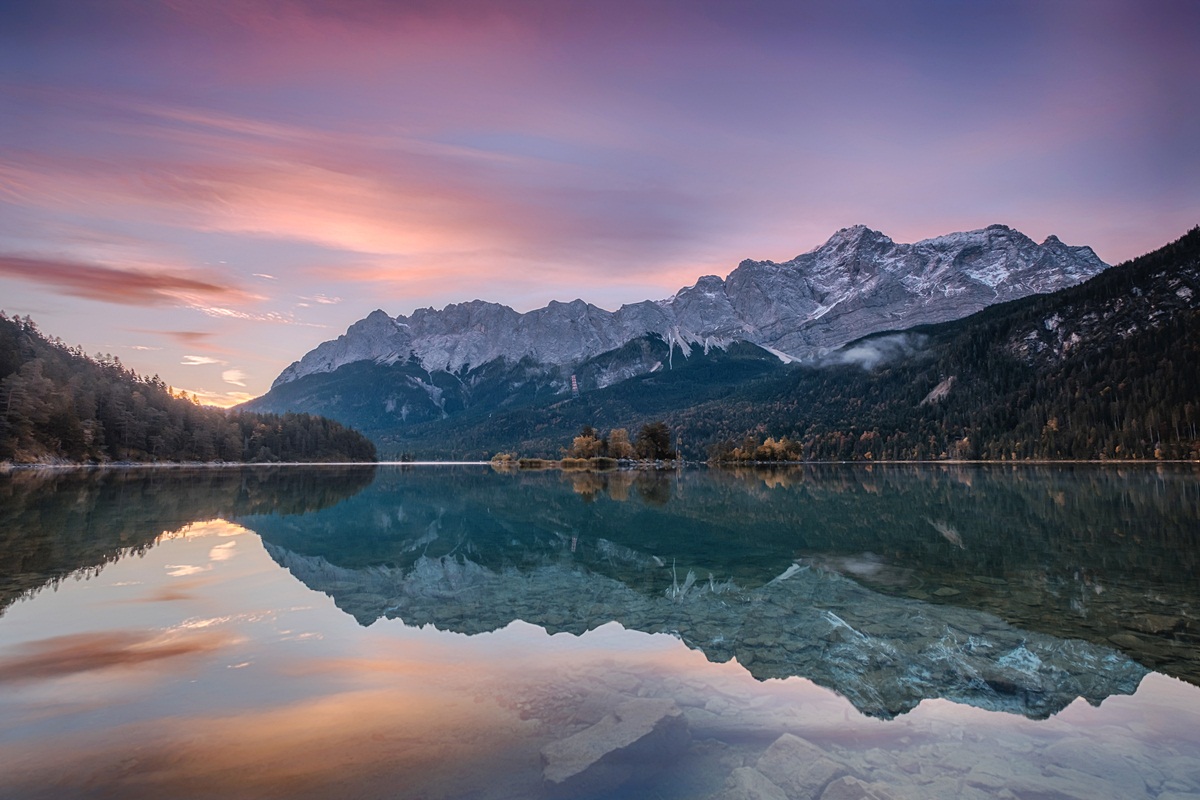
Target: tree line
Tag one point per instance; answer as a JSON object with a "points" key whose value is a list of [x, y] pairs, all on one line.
{"points": [[59, 404]]}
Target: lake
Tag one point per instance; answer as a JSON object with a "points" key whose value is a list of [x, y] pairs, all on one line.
{"points": [[830, 632]]}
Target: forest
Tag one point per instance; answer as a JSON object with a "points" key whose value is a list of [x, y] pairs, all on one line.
{"points": [[59, 405]]}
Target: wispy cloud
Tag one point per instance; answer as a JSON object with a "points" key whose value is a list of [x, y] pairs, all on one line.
{"points": [[395, 194], [202, 341], [112, 284], [197, 361], [871, 353], [222, 312], [236, 377], [189, 338]]}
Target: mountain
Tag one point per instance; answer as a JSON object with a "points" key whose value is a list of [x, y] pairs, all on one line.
{"points": [[1108, 369], [388, 374], [857, 283], [60, 405]]}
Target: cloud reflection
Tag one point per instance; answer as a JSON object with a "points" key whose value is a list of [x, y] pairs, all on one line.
{"points": [[61, 656]]}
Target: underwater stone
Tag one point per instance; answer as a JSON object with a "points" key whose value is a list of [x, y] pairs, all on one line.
{"points": [[747, 783], [848, 788], [798, 766]]}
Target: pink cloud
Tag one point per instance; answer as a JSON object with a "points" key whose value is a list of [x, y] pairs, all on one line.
{"points": [[112, 285], [379, 194], [192, 339]]}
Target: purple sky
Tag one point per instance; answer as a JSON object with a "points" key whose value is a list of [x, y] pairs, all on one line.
{"points": [[209, 188]]}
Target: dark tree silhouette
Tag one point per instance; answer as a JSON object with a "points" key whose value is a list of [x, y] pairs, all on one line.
{"points": [[654, 441]]}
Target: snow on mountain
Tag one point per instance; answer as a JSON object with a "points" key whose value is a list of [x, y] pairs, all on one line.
{"points": [[857, 283]]}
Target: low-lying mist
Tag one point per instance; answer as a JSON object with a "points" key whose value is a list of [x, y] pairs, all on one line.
{"points": [[872, 353]]}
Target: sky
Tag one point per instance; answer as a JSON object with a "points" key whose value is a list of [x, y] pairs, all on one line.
{"points": [[207, 189]]}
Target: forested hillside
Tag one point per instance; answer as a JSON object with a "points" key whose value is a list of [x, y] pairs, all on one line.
{"points": [[1109, 369], [58, 404]]}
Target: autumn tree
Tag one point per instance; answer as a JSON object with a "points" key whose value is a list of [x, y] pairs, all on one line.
{"points": [[619, 445], [586, 444]]}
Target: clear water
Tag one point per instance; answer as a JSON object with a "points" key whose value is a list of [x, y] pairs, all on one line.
{"points": [[456, 632]]}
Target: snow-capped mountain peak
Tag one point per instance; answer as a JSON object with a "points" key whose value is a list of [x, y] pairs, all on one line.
{"points": [[858, 282]]}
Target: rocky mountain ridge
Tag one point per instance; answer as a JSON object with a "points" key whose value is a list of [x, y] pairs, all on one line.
{"points": [[857, 283]]}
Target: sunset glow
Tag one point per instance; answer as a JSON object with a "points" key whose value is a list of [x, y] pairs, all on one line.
{"points": [[208, 190]]}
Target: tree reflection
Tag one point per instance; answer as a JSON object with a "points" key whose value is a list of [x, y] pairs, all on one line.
{"points": [[55, 523]]}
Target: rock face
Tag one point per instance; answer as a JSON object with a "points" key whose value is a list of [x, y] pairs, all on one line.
{"points": [[859, 282]]}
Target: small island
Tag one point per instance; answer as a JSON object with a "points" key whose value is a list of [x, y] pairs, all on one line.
{"points": [[592, 450]]}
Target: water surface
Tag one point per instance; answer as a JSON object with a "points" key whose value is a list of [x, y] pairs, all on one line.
{"points": [[458, 632]]}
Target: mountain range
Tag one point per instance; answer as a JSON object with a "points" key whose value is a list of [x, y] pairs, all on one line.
{"points": [[857, 283], [402, 379]]}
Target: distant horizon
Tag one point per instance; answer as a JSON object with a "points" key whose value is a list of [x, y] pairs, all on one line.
{"points": [[210, 189]]}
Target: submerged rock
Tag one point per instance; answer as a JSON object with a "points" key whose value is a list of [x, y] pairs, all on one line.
{"points": [[848, 788], [747, 783], [799, 767], [636, 740]]}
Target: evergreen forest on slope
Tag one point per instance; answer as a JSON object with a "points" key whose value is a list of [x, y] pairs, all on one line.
{"points": [[58, 404]]}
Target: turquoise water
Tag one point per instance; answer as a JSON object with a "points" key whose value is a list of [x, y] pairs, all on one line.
{"points": [[427, 632]]}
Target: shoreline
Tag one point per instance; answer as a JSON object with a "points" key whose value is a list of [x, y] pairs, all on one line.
{"points": [[56, 465], [549, 464]]}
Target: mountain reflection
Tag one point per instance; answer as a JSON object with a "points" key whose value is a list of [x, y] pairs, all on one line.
{"points": [[1008, 589], [55, 523]]}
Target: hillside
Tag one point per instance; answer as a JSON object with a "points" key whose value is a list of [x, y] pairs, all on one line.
{"points": [[58, 404], [1106, 369]]}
